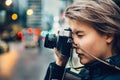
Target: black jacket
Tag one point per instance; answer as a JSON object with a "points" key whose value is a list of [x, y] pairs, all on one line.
{"points": [[93, 71]]}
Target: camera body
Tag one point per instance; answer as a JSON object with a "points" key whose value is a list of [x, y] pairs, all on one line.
{"points": [[62, 41]]}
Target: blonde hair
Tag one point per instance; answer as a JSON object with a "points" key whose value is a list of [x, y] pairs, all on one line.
{"points": [[102, 15]]}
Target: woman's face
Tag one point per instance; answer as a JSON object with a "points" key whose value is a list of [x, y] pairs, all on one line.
{"points": [[88, 42]]}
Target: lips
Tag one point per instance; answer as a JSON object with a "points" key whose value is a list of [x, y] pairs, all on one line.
{"points": [[79, 54]]}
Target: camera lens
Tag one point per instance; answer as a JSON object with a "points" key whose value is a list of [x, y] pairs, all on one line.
{"points": [[50, 41]]}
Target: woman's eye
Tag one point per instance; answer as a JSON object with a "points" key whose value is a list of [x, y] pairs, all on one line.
{"points": [[80, 36]]}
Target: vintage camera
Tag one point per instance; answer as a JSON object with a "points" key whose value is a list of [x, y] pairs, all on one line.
{"points": [[62, 41]]}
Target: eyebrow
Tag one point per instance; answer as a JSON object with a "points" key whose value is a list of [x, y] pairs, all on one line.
{"points": [[77, 32]]}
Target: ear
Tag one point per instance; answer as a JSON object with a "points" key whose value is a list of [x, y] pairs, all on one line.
{"points": [[109, 38]]}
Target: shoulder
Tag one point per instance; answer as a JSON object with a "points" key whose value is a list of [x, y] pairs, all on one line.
{"points": [[113, 77]]}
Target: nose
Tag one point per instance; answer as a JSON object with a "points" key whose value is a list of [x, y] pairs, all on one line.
{"points": [[74, 44]]}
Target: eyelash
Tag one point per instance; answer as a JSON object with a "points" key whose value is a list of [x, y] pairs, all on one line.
{"points": [[80, 36]]}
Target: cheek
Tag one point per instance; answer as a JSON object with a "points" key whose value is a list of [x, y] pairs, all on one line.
{"points": [[94, 46]]}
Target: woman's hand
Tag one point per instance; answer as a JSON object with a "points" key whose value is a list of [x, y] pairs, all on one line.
{"points": [[60, 59]]}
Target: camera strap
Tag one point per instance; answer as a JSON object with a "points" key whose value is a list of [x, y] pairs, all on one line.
{"points": [[104, 62]]}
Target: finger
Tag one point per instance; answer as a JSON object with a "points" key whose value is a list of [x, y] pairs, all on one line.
{"points": [[57, 52]]}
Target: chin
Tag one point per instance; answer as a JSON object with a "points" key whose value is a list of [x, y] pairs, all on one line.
{"points": [[84, 61]]}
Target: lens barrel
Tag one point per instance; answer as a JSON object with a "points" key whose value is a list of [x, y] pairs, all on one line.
{"points": [[50, 41]]}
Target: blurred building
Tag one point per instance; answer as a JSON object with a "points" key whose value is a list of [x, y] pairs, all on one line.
{"points": [[18, 14], [34, 13], [12, 14]]}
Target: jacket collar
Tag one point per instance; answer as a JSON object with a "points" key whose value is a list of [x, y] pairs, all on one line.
{"points": [[114, 60]]}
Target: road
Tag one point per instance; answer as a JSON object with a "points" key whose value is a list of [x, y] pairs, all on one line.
{"points": [[32, 62]]}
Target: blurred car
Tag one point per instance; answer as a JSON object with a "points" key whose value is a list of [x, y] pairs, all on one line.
{"points": [[29, 40], [30, 37], [4, 47]]}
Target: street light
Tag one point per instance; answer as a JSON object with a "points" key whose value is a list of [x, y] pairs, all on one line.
{"points": [[29, 12], [8, 2], [14, 16]]}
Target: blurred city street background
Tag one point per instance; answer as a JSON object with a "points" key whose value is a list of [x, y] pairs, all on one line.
{"points": [[23, 27], [30, 64]]}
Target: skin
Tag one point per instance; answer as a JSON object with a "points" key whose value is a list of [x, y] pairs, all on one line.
{"points": [[87, 41]]}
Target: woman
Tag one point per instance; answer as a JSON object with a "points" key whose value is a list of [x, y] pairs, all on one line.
{"points": [[95, 26]]}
